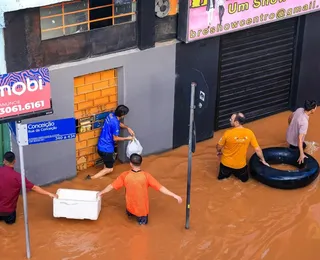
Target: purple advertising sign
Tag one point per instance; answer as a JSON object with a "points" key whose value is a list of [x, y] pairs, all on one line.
{"points": [[209, 18]]}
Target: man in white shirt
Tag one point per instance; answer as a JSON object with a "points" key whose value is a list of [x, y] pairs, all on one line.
{"points": [[298, 127]]}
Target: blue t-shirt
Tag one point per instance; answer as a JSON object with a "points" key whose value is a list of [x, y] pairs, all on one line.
{"points": [[110, 128]]}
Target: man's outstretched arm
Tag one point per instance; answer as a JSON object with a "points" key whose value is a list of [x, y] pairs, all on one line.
{"points": [[105, 190], [39, 190], [153, 183], [259, 152], [167, 192], [123, 126], [117, 184]]}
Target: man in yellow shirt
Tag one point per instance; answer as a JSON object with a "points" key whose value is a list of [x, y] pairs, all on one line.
{"points": [[233, 147]]}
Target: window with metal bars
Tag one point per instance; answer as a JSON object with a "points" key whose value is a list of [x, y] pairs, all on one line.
{"points": [[83, 15]]}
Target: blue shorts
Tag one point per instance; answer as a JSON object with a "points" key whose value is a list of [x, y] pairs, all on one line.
{"points": [[141, 220]]}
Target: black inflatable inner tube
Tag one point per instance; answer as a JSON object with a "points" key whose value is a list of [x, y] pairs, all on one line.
{"points": [[303, 176]]}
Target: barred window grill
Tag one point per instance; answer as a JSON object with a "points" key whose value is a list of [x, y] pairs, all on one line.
{"points": [[83, 15]]}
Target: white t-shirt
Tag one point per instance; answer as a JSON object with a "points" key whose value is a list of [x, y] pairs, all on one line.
{"points": [[299, 125]]}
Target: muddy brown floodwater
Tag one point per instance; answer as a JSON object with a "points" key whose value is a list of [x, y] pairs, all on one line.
{"points": [[230, 220]]}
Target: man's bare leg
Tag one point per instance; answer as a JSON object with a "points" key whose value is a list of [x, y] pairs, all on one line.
{"points": [[101, 173]]}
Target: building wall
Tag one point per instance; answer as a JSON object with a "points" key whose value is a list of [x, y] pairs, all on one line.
{"points": [[192, 66], [32, 52], [309, 73], [146, 82]]}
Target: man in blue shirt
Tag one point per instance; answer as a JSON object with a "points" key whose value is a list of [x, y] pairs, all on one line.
{"points": [[108, 137]]}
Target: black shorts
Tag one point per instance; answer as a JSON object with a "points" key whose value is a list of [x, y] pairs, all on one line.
{"points": [[9, 219], [141, 220], [108, 159], [225, 172], [297, 147]]}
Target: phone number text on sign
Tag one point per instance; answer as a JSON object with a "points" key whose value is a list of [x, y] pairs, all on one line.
{"points": [[24, 93], [28, 107]]}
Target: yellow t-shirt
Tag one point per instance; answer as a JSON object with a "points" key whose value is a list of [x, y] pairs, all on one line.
{"points": [[235, 144]]}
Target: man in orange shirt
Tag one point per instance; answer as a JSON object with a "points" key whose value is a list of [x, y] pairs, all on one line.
{"points": [[233, 147], [136, 183]]}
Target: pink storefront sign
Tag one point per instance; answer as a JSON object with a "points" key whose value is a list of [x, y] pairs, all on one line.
{"points": [[209, 18], [25, 94]]}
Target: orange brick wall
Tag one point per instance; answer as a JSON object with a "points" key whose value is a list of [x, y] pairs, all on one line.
{"points": [[93, 94]]}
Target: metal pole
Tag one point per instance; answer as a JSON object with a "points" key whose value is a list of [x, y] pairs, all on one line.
{"points": [[193, 86], [24, 197]]}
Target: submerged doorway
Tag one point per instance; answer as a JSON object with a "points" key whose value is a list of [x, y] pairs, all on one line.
{"points": [[95, 95]]}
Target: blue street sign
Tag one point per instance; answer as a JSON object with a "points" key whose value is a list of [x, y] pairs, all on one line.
{"points": [[51, 131]]}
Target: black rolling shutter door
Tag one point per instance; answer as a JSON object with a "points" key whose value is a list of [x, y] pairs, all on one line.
{"points": [[255, 71]]}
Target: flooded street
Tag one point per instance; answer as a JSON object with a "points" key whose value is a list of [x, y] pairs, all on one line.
{"points": [[230, 220]]}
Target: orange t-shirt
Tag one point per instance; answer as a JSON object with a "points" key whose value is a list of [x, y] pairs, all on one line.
{"points": [[235, 144], [136, 184]]}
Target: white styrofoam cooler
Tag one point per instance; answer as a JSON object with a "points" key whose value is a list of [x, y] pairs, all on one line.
{"points": [[77, 204]]}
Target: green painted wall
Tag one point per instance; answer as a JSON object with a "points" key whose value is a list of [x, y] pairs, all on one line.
{"points": [[4, 140]]}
